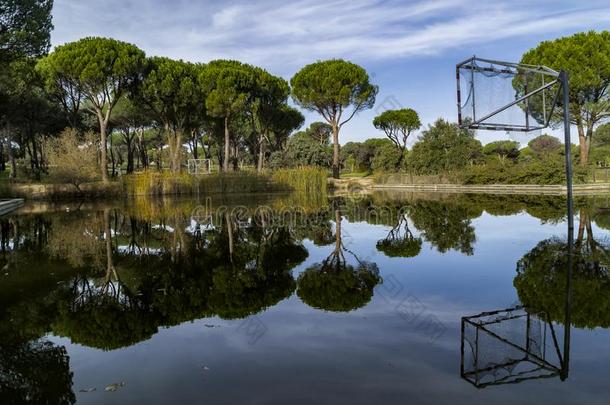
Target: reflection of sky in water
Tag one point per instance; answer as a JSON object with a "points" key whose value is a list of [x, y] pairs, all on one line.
{"points": [[294, 353]]}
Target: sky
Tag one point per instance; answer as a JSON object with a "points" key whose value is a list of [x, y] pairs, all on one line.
{"points": [[409, 48]]}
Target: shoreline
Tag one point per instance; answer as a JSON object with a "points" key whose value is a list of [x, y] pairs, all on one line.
{"points": [[367, 185]]}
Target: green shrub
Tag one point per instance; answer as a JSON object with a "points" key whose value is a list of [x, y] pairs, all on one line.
{"points": [[535, 171]]}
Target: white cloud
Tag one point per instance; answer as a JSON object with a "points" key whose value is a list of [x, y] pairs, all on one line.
{"points": [[284, 35]]}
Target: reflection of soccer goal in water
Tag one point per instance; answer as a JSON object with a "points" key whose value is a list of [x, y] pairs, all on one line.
{"points": [[509, 346], [199, 166]]}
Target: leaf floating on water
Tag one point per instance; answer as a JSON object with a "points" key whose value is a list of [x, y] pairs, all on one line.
{"points": [[88, 389], [114, 387]]}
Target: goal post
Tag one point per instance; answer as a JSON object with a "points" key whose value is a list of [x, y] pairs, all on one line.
{"points": [[199, 166]]}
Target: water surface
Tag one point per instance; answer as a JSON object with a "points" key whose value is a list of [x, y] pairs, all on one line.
{"points": [[281, 299]]}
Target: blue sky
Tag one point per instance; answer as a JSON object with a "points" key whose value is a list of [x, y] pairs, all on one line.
{"points": [[409, 48]]}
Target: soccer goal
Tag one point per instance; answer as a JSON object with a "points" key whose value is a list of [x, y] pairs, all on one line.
{"points": [[199, 166], [515, 98]]}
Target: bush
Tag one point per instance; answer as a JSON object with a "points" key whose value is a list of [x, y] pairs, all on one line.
{"points": [[70, 159], [535, 171]]}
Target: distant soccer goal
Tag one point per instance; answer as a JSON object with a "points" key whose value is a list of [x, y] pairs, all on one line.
{"points": [[199, 166]]}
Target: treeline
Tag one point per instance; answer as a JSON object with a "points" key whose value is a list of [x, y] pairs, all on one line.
{"points": [[152, 111]]}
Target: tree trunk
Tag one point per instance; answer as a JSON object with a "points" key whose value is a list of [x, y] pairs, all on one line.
{"points": [[225, 163], [129, 142], [2, 161], [11, 158], [142, 149], [176, 155], [194, 144], [110, 270], [400, 158], [582, 141], [112, 160], [230, 235], [335, 151], [261, 153], [104, 153]]}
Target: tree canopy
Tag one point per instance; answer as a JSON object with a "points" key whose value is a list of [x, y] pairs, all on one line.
{"points": [[335, 89], [398, 126], [443, 147], [25, 28], [100, 70], [585, 56]]}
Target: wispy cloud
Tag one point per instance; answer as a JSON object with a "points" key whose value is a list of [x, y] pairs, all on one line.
{"points": [[283, 35]]}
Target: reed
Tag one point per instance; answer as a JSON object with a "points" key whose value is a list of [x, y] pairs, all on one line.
{"points": [[151, 183], [307, 180]]}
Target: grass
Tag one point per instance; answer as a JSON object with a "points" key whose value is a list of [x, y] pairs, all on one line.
{"points": [[305, 180], [355, 174]]}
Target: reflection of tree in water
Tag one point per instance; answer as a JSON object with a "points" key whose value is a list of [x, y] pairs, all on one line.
{"points": [[542, 273], [35, 372], [334, 285], [32, 369], [446, 226], [318, 228], [103, 314], [105, 317], [251, 270], [400, 241]]}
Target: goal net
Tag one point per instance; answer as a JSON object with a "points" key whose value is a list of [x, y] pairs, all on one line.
{"points": [[199, 166], [504, 96], [508, 346]]}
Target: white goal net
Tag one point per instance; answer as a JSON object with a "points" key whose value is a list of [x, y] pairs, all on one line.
{"points": [[199, 166]]}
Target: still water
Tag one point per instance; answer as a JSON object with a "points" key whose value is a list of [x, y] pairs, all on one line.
{"points": [[389, 298]]}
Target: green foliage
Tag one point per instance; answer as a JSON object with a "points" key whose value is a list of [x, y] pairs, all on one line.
{"points": [[303, 180], [320, 132], [545, 144], [542, 276], [301, 150], [25, 29], [340, 289], [403, 247], [104, 323], [165, 183], [362, 154], [310, 180], [387, 158], [102, 68], [537, 171], [503, 150], [585, 56], [398, 126], [446, 226], [444, 147], [35, 372], [170, 88], [331, 88]]}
